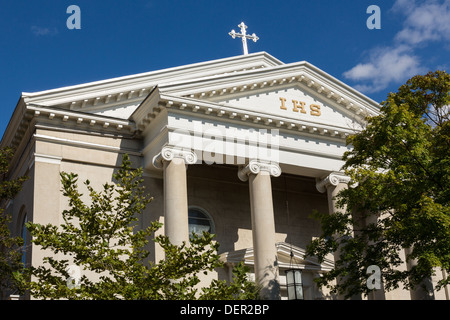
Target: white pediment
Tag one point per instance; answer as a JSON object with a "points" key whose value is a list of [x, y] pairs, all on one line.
{"points": [[298, 92], [297, 103], [299, 114]]}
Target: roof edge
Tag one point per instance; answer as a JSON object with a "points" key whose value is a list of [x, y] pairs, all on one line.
{"points": [[188, 70]]}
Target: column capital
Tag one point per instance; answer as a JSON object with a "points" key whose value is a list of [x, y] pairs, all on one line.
{"points": [[333, 179], [256, 166], [168, 153]]}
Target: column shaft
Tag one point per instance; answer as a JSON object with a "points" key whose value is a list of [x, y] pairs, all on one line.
{"points": [[332, 192], [424, 290], [263, 226], [176, 225], [173, 161]]}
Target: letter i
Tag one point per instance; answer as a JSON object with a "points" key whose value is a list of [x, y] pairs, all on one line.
{"points": [[283, 103]]}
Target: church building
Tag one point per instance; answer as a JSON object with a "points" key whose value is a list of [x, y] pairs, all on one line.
{"points": [[245, 147]]}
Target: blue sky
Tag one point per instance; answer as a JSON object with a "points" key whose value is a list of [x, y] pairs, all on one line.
{"points": [[118, 38]]}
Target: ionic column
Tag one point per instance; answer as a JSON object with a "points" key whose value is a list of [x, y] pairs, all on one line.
{"points": [[173, 161], [263, 225], [423, 290], [332, 184]]}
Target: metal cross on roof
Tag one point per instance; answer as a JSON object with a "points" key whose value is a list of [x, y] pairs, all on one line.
{"points": [[244, 36]]}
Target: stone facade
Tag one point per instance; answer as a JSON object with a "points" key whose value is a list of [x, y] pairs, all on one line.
{"points": [[253, 143]]}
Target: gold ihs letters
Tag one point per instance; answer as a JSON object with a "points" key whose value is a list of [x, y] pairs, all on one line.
{"points": [[299, 106]]}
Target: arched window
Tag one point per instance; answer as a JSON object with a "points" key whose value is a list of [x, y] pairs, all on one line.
{"points": [[24, 237], [200, 221]]}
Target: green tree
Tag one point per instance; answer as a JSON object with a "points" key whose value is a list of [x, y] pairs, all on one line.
{"points": [[102, 238], [10, 247], [399, 193]]}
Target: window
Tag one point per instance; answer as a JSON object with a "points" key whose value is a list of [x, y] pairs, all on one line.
{"points": [[199, 221], [24, 237]]}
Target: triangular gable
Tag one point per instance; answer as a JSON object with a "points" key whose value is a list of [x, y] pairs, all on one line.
{"points": [[284, 258], [205, 115], [298, 103], [297, 91]]}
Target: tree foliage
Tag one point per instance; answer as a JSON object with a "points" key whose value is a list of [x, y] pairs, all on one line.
{"points": [[399, 196], [10, 247], [103, 240]]}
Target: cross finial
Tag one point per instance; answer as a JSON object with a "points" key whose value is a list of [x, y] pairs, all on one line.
{"points": [[244, 36]]}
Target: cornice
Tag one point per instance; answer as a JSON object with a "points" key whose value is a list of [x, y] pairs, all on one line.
{"points": [[146, 113], [32, 114], [81, 118]]}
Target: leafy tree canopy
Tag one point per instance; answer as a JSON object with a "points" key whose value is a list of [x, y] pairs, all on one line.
{"points": [[10, 247], [399, 193], [102, 238]]}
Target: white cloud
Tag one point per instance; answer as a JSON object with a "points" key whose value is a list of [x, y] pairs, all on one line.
{"points": [[385, 66], [429, 21], [425, 22], [43, 31]]}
